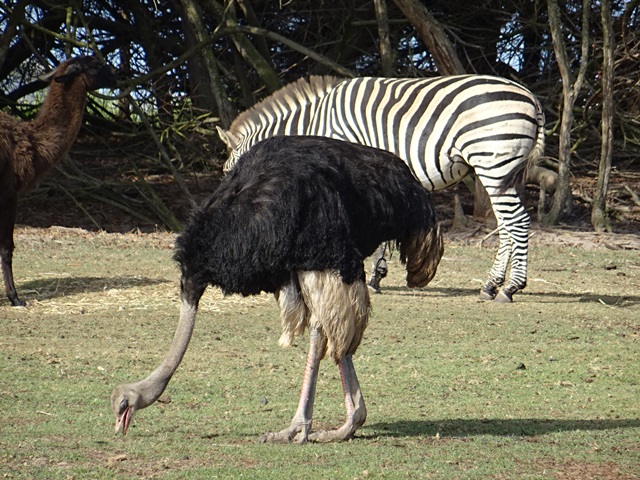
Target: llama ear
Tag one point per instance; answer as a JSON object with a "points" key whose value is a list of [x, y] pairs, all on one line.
{"points": [[68, 74], [228, 138], [73, 69], [47, 77]]}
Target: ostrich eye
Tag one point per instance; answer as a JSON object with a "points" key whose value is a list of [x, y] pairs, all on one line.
{"points": [[123, 405]]}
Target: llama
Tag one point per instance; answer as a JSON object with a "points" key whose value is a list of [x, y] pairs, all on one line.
{"points": [[298, 218], [28, 150]]}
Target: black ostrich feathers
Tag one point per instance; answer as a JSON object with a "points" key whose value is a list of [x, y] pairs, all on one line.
{"points": [[307, 204]]}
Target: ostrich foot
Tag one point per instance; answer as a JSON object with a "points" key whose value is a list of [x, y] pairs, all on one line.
{"points": [[300, 436], [345, 432], [294, 434]]}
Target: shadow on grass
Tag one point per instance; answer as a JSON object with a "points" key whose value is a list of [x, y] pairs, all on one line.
{"points": [[64, 286], [497, 427], [622, 301]]}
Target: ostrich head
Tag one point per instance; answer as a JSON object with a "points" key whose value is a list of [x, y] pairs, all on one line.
{"points": [[125, 400]]}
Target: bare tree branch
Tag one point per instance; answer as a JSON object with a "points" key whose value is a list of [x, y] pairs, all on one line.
{"points": [[386, 54], [433, 36]]}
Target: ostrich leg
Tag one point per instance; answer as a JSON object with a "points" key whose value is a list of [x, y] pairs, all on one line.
{"points": [[300, 426], [354, 404]]}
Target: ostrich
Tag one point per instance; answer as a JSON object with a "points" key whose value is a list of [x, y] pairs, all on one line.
{"points": [[297, 218], [28, 150]]}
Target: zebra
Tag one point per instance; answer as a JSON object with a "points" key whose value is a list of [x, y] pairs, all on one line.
{"points": [[442, 127]]}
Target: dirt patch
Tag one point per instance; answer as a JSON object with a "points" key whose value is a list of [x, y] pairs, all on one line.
{"points": [[587, 471]]}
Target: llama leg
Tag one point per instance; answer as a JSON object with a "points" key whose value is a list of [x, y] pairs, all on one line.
{"points": [[354, 404], [6, 250], [300, 426], [378, 268]]}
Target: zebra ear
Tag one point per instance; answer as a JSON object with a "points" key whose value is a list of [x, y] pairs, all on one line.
{"points": [[228, 138]]}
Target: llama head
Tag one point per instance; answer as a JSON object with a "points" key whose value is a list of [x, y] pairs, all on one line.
{"points": [[94, 72]]}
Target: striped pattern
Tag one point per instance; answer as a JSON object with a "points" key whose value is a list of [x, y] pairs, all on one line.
{"points": [[441, 127], [288, 111]]}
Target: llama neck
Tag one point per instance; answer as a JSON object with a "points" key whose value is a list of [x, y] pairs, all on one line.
{"points": [[58, 122], [150, 389]]}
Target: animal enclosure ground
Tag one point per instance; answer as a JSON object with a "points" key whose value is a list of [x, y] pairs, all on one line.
{"points": [[546, 387]]}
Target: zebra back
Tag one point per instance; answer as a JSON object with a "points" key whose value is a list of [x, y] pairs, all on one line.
{"points": [[439, 126]]}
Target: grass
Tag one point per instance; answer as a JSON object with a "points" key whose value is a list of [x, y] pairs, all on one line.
{"points": [[439, 371]]}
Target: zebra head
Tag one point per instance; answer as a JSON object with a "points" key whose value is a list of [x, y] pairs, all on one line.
{"points": [[287, 111], [231, 141]]}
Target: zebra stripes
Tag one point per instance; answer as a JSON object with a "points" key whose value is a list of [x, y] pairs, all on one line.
{"points": [[441, 127], [288, 111]]}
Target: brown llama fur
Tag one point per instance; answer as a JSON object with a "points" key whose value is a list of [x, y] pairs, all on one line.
{"points": [[28, 150]]}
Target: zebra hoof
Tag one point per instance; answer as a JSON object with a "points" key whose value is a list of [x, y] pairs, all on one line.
{"points": [[487, 295], [374, 284], [503, 296]]}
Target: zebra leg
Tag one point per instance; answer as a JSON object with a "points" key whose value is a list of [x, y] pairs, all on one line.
{"points": [[499, 270], [517, 224], [379, 268], [513, 222]]}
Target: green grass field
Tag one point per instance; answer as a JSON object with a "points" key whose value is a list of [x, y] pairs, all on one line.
{"points": [[440, 372]]}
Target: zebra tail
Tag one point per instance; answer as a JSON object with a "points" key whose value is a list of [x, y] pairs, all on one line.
{"points": [[518, 177], [422, 253]]}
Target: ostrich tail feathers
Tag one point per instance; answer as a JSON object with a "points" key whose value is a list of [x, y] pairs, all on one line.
{"points": [[422, 253], [293, 312]]}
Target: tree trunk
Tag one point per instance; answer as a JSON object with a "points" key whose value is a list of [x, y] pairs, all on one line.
{"points": [[199, 88], [386, 53], [433, 36], [249, 14], [156, 59], [16, 17], [124, 103], [570, 89], [599, 218], [448, 63], [193, 15], [248, 51], [532, 39]]}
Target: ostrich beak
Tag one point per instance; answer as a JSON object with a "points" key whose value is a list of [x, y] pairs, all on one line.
{"points": [[122, 422]]}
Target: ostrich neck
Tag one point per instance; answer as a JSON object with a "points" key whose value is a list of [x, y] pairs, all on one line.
{"points": [[151, 388]]}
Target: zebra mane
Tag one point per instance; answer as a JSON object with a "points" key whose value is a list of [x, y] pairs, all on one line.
{"points": [[300, 92]]}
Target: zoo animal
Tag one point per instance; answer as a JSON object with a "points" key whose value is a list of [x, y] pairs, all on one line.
{"points": [[298, 218], [28, 150], [441, 127]]}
